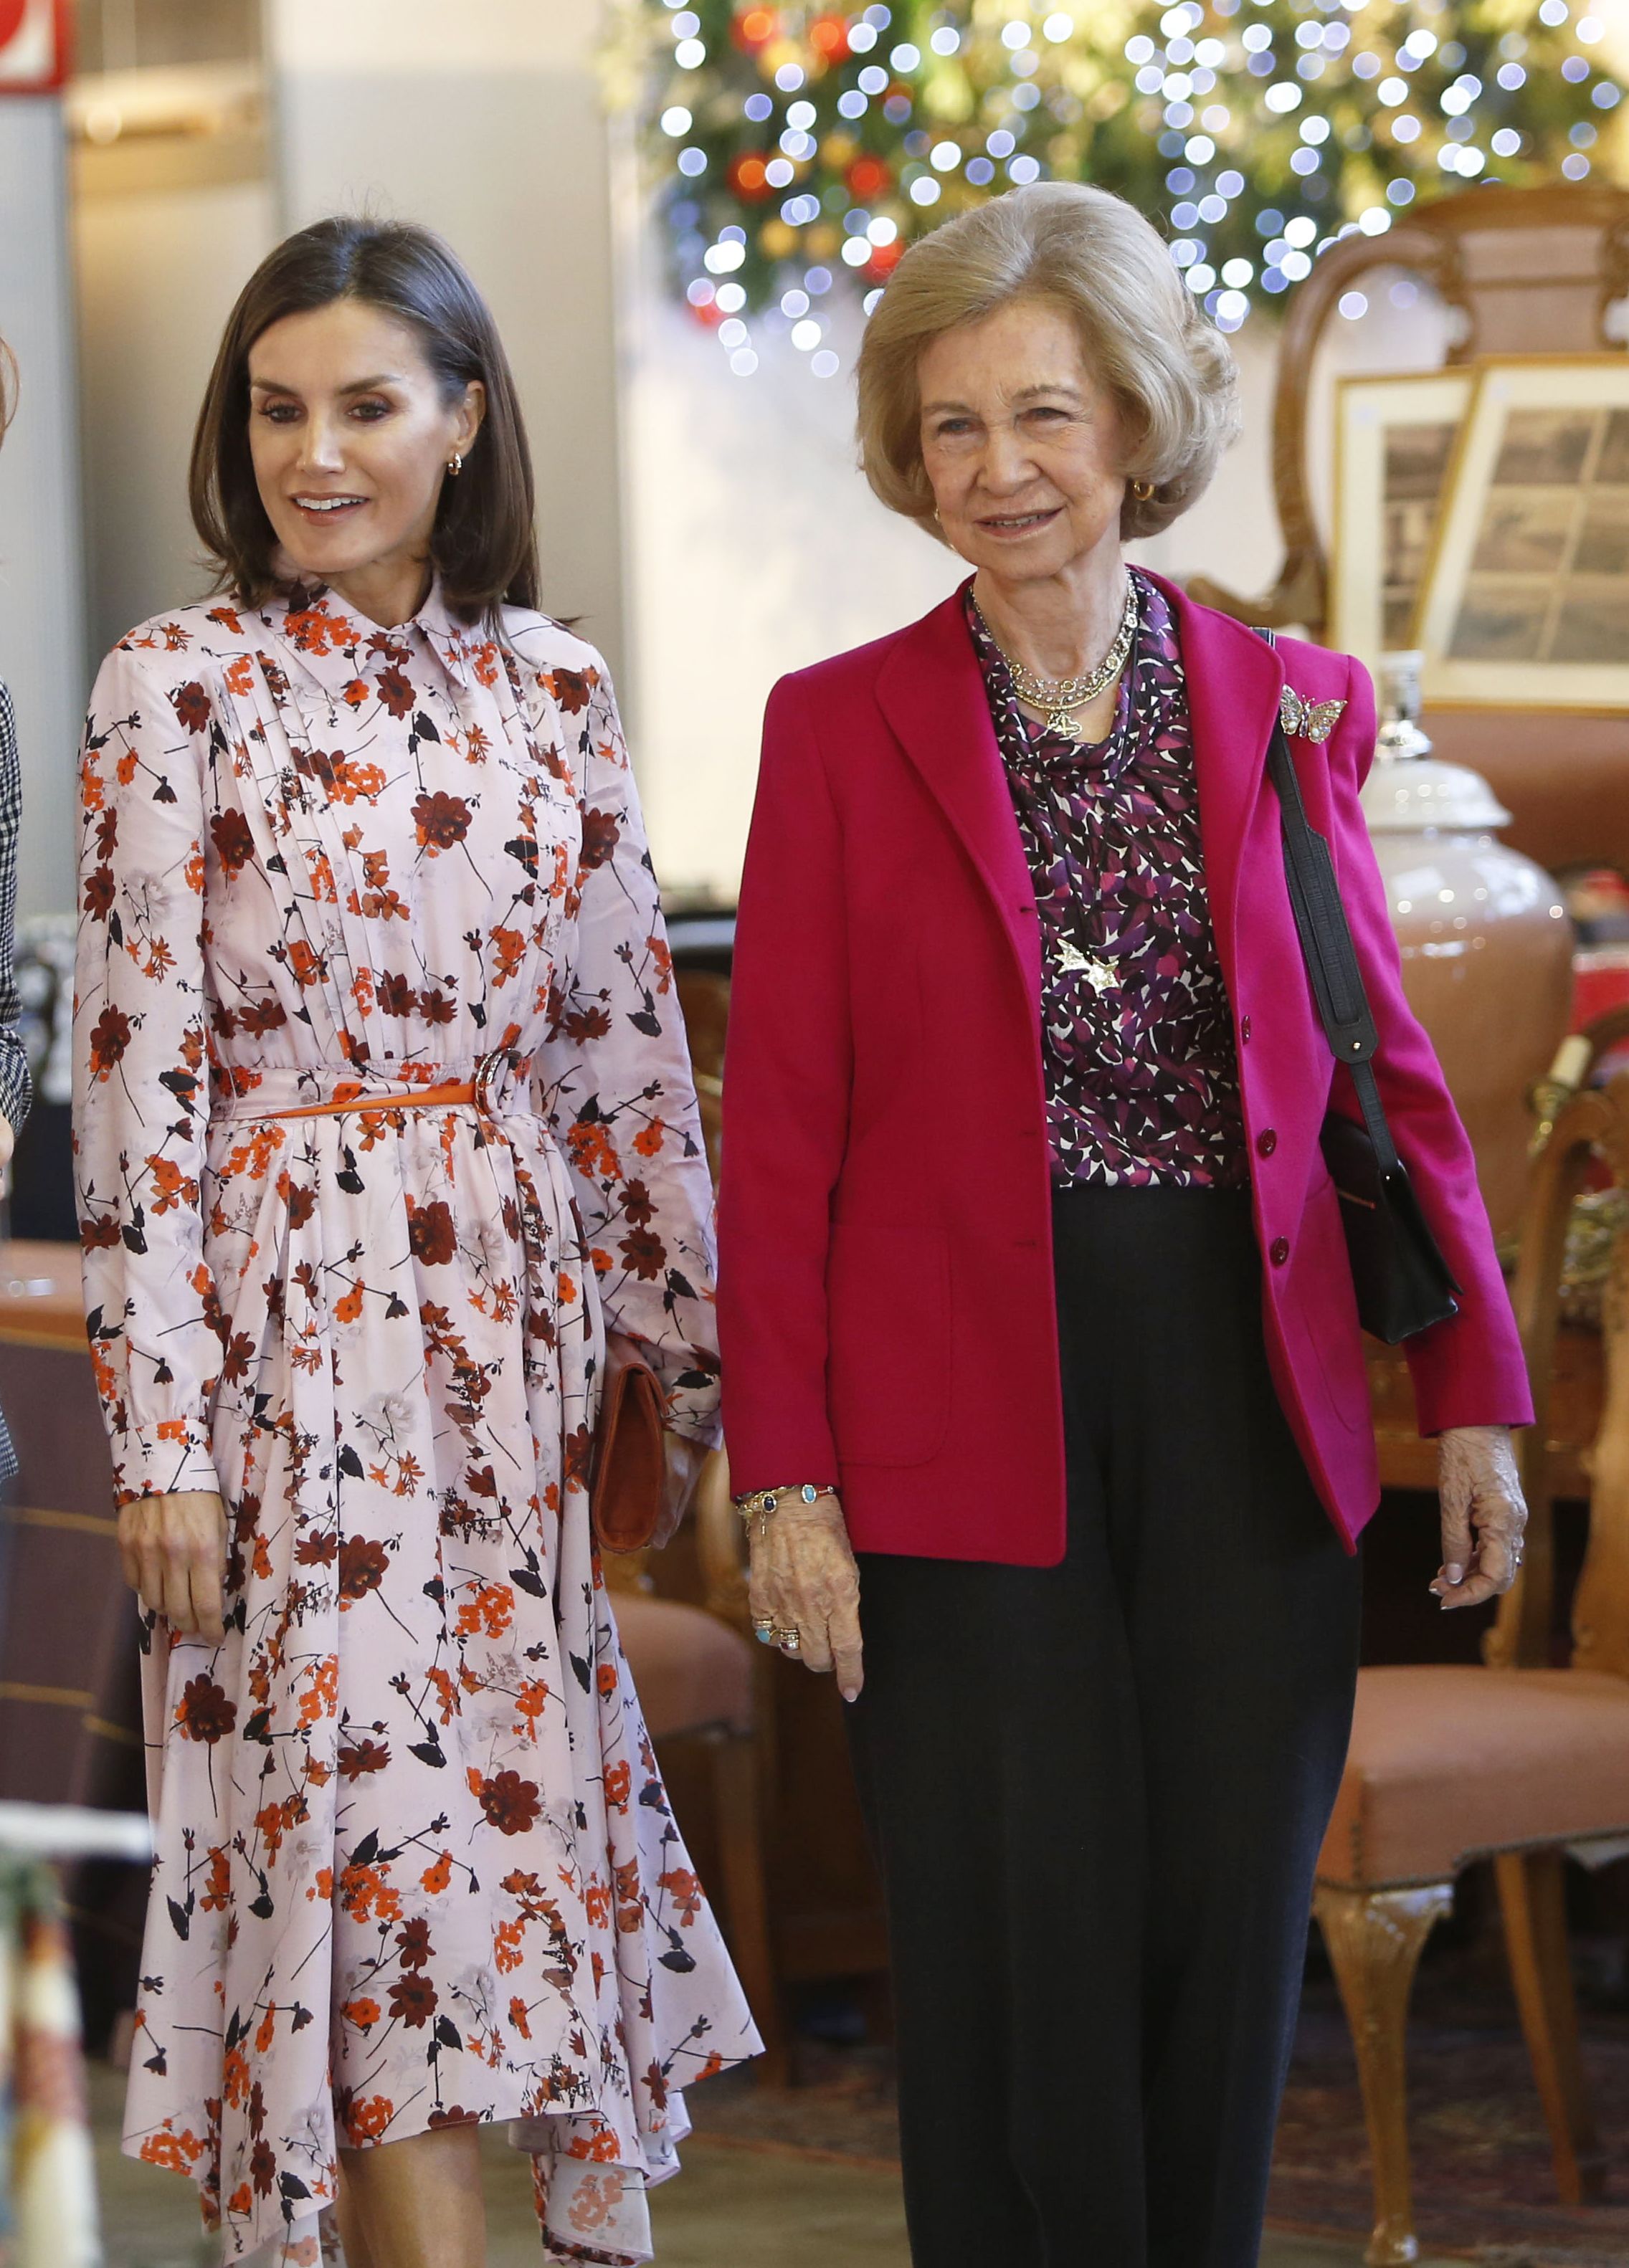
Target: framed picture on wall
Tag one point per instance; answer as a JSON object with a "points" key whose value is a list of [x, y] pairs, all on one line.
{"points": [[1394, 442], [1526, 599]]}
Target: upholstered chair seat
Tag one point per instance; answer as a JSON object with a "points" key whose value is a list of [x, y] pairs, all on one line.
{"points": [[694, 1673], [1448, 1765], [1518, 1761]]}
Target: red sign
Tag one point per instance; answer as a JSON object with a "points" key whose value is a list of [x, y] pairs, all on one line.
{"points": [[33, 46]]}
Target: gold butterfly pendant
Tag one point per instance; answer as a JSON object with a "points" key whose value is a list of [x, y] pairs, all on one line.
{"points": [[1314, 720]]}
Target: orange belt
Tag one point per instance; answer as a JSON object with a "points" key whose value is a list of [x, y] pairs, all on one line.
{"points": [[446, 1097]]}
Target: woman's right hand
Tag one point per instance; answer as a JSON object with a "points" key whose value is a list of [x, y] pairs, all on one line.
{"points": [[174, 1553], [804, 1578]]}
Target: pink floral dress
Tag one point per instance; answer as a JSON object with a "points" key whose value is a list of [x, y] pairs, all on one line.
{"points": [[416, 1863]]}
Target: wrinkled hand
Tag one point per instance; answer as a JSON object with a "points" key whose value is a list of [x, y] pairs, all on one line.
{"points": [[804, 1578], [174, 1553], [1484, 1514]]}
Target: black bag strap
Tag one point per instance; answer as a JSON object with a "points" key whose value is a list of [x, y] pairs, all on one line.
{"points": [[1326, 942]]}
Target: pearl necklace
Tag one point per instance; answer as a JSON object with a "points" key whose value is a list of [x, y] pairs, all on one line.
{"points": [[1058, 698]]}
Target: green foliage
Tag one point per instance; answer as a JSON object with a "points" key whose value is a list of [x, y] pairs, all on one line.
{"points": [[1229, 123]]}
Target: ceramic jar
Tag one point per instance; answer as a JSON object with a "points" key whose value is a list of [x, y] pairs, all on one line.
{"points": [[1486, 942]]}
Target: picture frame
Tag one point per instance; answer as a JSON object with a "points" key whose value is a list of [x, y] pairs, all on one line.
{"points": [[1395, 439], [1525, 602]]}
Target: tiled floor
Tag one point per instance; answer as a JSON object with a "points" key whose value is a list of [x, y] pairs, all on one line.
{"points": [[729, 2207]]}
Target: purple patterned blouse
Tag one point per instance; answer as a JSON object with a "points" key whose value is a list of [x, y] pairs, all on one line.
{"points": [[1137, 1037]]}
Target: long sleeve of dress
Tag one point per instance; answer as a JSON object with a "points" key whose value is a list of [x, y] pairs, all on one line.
{"points": [[16, 1086], [140, 1084], [614, 1080]]}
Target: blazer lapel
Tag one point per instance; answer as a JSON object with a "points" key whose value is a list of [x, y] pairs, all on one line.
{"points": [[931, 692], [1234, 680]]}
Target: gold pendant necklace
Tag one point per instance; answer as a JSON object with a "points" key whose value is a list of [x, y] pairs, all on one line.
{"points": [[1101, 975], [1058, 698]]}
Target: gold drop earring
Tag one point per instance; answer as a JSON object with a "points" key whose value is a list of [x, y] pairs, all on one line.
{"points": [[455, 463]]}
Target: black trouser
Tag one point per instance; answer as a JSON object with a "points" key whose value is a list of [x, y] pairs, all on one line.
{"points": [[1097, 1790]]}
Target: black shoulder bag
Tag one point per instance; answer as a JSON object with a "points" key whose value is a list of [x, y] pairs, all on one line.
{"points": [[1404, 1284]]}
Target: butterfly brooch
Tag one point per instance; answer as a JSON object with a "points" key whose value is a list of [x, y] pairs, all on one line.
{"points": [[1314, 720]]}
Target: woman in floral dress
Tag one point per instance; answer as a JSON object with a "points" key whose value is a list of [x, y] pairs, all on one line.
{"points": [[383, 1115]]}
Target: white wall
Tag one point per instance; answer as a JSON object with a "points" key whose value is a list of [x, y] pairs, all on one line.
{"points": [[485, 121], [41, 622], [158, 273]]}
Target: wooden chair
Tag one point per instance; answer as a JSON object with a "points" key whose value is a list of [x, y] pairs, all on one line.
{"points": [[826, 1917], [704, 1002], [699, 1683], [812, 1867], [1515, 1761]]}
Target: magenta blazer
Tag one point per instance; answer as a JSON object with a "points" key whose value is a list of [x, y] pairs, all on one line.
{"points": [[886, 1299]]}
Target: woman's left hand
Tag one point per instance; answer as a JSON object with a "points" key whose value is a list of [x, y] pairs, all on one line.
{"points": [[1484, 1514]]}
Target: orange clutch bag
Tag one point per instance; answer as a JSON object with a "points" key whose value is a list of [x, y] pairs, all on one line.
{"points": [[629, 1480]]}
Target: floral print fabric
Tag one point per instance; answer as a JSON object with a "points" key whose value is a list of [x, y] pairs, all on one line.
{"points": [[1141, 1080], [416, 1863]]}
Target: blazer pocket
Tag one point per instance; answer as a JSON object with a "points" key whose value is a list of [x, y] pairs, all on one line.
{"points": [[888, 1317]]}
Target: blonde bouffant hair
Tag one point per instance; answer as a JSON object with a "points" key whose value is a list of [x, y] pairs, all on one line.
{"points": [[1144, 335]]}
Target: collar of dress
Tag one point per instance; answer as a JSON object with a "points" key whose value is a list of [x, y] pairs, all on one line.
{"points": [[333, 643]]}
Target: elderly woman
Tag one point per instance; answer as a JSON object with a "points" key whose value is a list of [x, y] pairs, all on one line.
{"points": [[1043, 1373]]}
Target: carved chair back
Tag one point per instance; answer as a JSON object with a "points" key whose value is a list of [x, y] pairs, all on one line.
{"points": [[1530, 271], [1596, 1123]]}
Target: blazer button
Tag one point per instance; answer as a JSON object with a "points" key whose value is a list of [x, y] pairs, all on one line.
{"points": [[1244, 1028], [1267, 1141], [1279, 1251]]}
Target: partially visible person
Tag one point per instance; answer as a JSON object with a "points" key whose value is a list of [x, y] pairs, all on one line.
{"points": [[16, 1086]]}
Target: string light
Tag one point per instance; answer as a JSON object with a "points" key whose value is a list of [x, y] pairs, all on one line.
{"points": [[796, 146]]}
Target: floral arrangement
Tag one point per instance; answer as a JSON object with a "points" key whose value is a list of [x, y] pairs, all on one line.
{"points": [[793, 147]]}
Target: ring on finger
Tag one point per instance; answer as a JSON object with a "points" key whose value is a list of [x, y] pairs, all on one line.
{"points": [[789, 1641], [765, 1634]]}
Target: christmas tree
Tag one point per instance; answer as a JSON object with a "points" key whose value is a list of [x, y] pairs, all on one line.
{"points": [[794, 149]]}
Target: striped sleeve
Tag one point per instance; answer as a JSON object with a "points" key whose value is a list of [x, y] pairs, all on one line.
{"points": [[16, 1086]]}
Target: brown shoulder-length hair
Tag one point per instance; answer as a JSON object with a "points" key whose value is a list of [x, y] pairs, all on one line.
{"points": [[485, 543]]}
